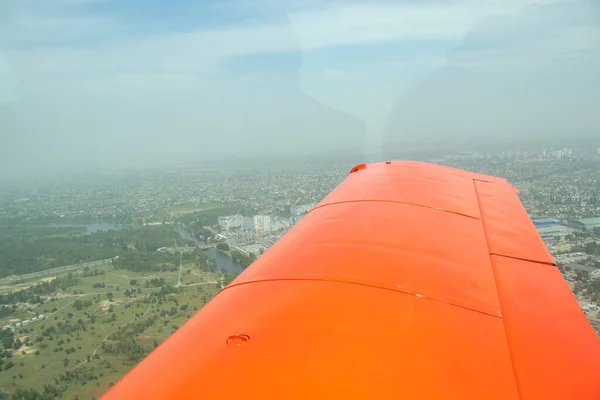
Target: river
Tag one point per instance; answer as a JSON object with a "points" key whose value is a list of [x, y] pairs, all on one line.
{"points": [[222, 260]]}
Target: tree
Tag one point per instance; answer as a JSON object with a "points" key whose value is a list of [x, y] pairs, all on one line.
{"points": [[6, 338], [228, 278], [590, 248], [109, 295], [81, 304], [133, 282], [222, 246], [66, 362]]}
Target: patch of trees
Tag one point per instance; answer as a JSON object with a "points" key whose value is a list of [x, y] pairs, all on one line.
{"points": [[196, 221], [168, 289], [80, 304], [50, 392], [87, 271], [8, 365], [141, 261], [32, 294], [37, 251], [155, 282], [30, 248], [592, 248], [592, 286], [228, 278], [69, 327], [164, 294], [6, 339], [222, 246], [129, 347], [81, 376], [7, 310], [243, 259]]}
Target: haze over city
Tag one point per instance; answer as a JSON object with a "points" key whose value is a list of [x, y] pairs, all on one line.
{"points": [[97, 83], [266, 186]]}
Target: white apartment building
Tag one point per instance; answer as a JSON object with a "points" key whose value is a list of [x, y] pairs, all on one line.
{"points": [[231, 221]]}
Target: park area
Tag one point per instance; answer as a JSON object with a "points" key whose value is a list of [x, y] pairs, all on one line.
{"points": [[79, 332]]}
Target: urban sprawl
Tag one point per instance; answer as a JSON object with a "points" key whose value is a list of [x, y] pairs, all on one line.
{"points": [[97, 270]]}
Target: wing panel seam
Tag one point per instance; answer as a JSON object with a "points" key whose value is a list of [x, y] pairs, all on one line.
{"points": [[375, 286], [397, 202], [551, 264], [500, 301]]}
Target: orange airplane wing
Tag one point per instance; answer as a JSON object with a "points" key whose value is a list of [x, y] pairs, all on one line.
{"points": [[409, 281]]}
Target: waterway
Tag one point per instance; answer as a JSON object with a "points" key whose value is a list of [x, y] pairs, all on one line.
{"points": [[222, 260]]}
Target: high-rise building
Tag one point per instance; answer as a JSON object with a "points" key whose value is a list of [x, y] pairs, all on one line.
{"points": [[262, 223], [231, 221], [248, 223]]}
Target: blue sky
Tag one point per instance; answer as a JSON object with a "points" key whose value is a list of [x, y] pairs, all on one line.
{"points": [[131, 80]]}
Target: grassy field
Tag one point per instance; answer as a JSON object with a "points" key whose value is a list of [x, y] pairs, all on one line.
{"points": [[68, 337], [187, 209]]}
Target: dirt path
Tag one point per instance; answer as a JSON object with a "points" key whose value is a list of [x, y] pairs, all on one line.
{"points": [[200, 283], [107, 336]]}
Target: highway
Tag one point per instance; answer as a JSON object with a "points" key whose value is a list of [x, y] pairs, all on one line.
{"points": [[17, 278]]}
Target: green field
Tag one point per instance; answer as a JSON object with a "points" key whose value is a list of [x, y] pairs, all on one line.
{"points": [[83, 350], [190, 208]]}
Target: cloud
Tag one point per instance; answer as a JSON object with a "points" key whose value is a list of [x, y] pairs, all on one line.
{"points": [[41, 43], [104, 81], [314, 28], [532, 76], [35, 23]]}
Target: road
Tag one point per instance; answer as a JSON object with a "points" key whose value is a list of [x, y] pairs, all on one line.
{"points": [[17, 278]]}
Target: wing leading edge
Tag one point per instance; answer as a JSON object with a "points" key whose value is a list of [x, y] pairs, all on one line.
{"points": [[409, 280]]}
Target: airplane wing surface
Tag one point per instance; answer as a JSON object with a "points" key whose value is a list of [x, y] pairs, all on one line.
{"points": [[408, 281]]}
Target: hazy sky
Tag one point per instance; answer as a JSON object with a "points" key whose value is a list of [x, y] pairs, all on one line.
{"points": [[114, 81]]}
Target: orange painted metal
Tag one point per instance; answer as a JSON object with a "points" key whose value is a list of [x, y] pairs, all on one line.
{"points": [[409, 280], [555, 352]]}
